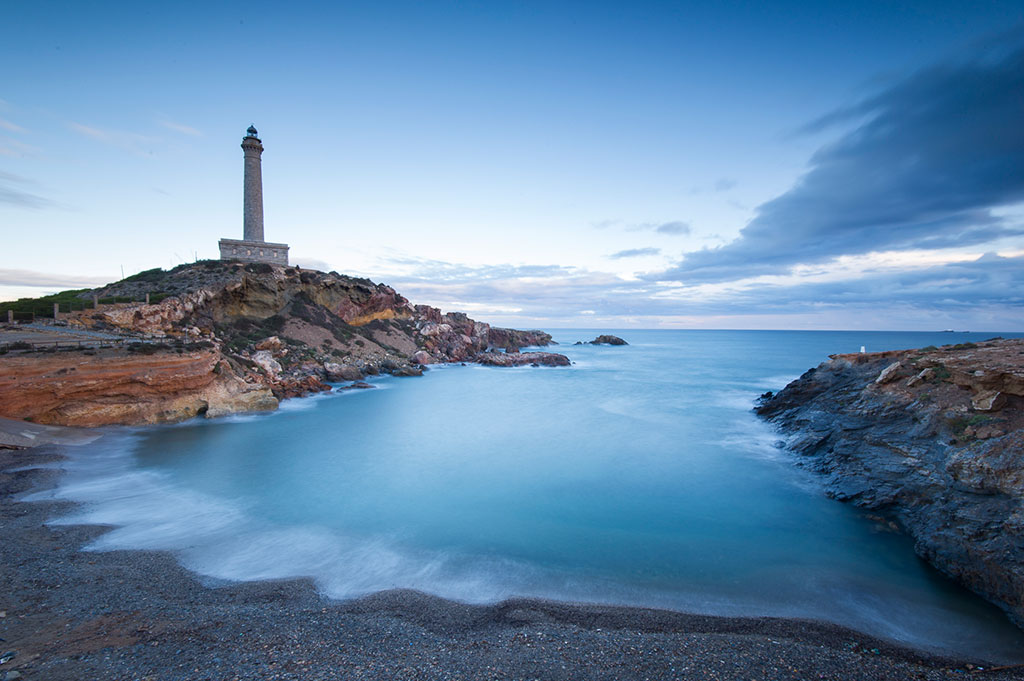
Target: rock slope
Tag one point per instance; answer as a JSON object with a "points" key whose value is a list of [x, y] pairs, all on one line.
{"points": [[932, 438], [227, 337]]}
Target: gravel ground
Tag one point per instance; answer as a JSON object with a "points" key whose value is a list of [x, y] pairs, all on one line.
{"points": [[69, 614]]}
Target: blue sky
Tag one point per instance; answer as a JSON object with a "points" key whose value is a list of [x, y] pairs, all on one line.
{"points": [[710, 165]]}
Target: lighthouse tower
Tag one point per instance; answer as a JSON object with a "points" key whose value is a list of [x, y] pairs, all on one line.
{"points": [[252, 247]]}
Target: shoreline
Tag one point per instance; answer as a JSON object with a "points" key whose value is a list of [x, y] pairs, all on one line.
{"points": [[139, 614]]}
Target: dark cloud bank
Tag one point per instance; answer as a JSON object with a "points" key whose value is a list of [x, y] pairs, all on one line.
{"points": [[931, 158], [990, 281]]}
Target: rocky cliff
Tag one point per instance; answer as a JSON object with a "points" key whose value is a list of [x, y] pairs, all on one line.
{"points": [[227, 337], [933, 439], [111, 386]]}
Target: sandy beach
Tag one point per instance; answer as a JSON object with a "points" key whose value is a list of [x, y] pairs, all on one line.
{"points": [[70, 614]]}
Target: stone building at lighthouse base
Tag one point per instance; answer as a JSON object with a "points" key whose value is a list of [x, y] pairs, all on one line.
{"points": [[253, 251]]}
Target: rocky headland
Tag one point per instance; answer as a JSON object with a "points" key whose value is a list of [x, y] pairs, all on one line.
{"points": [[932, 440], [226, 337]]}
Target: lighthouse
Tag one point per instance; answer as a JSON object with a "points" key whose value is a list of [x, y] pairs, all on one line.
{"points": [[252, 247]]}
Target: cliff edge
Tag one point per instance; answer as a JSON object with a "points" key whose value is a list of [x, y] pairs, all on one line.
{"points": [[931, 438], [227, 337]]}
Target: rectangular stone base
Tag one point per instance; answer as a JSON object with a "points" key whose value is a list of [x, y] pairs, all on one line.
{"points": [[254, 251]]}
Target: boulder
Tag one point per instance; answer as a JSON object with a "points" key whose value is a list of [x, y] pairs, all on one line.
{"points": [[272, 344], [888, 374], [422, 357], [924, 375], [407, 370], [298, 387], [358, 385], [988, 400], [266, 361], [342, 372]]}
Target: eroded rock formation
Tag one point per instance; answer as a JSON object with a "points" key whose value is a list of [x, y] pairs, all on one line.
{"points": [[224, 337], [934, 438]]}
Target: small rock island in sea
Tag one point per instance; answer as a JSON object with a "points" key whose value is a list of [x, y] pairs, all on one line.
{"points": [[932, 439], [604, 339]]}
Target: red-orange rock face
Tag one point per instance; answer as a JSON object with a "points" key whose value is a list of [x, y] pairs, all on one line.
{"points": [[119, 387]]}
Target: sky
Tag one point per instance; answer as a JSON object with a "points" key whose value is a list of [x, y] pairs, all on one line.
{"points": [[785, 165]]}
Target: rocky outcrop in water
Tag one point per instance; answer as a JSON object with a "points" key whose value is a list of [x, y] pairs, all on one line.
{"points": [[228, 337], [933, 438], [516, 359], [608, 339], [604, 339]]}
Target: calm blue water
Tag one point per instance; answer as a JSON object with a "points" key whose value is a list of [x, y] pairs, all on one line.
{"points": [[637, 476]]}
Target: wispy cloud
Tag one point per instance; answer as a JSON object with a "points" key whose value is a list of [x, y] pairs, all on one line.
{"points": [[14, 148], [634, 253], [12, 193], [722, 184], [930, 159], [11, 127], [183, 129], [141, 145], [424, 270], [46, 280], [674, 227]]}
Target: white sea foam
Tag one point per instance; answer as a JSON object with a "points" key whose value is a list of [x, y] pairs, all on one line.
{"points": [[775, 383], [731, 398]]}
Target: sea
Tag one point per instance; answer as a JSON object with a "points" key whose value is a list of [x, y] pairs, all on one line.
{"points": [[637, 476]]}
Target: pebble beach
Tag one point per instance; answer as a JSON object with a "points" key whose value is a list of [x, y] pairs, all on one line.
{"points": [[74, 614]]}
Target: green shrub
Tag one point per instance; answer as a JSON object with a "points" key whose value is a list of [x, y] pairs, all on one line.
{"points": [[153, 275], [273, 325]]}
